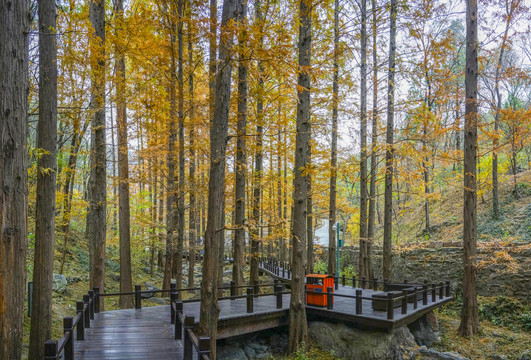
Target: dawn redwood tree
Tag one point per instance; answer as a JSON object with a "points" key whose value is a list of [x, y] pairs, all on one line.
{"points": [[192, 219], [241, 162], [14, 27], [469, 312], [41, 321], [332, 261], [214, 233], [298, 327], [389, 151], [124, 219], [97, 189]]}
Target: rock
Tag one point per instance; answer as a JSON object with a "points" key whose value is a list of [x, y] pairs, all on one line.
{"points": [[157, 300], [146, 269], [350, 343], [115, 277], [59, 283], [73, 279], [430, 354], [425, 329], [149, 286], [231, 353], [498, 357], [526, 355], [249, 351]]}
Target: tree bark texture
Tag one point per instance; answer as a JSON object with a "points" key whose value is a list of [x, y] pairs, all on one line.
{"points": [[241, 162], [389, 152], [97, 191], [41, 320], [14, 26], [469, 312], [124, 219], [298, 327], [332, 260], [214, 234], [309, 213], [192, 219]]}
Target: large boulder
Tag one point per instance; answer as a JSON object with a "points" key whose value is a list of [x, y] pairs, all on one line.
{"points": [[59, 283], [349, 343], [429, 354], [425, 329], [149, 286]]}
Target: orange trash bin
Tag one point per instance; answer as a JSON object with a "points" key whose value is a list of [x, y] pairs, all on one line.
{"points": [[318, 285]]}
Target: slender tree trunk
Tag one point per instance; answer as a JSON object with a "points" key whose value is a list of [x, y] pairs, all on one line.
{"points": [[309, 213], [171, 191], [280, 227], [41, 320], [218, 142], [14, 28], [374, 141], [153, 193], [97, 191], [258, 158], [364, 266], [114, 201], [178, 265], [126, 282], [425, 170], [298, 326], [389, 152], [332, 249], [241, 162], [192, 218], [469, 312]]}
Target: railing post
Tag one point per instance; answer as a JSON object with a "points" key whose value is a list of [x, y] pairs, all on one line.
{"points": [[96, 300], [69, 346], [385, 282], [256, 288], [86, 312], [329, 298], [289, 274], [415, 300], [233, 288], [138, 297], [80, 330], [441, 290], [433, 293], [375, 284], [336, 281], [204, 346], [187, 343], [50, 349], [353, 281], [425, 294], [404, 301], [283, 272], [363, 283], [448, 289], [278, 290], [249, 300], [358, 302], [343, 279], [390, 306], [178, 333], [173, 297], [91, 304]]}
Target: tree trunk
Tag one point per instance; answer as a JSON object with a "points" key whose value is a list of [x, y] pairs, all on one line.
{"points": [[374, 141], [469, 312], [363, 258], [258, 158], [280, 234], [214, 233], [41, 320], [332, 249], [171, 192], [97, 191], [298, 326], [14, 27], [192, 218], [124, 222], [389, 152], [309, 213], [241, 163]]}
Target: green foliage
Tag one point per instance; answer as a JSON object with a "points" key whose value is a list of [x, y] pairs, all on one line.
{"points": [[504, 311], [320, 266]]}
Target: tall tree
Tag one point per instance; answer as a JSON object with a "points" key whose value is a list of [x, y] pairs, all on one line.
{"points": [[298, 327], [97, 190], [124, 221], [214, 233], [258, 157], [41, 321], [309, 213], [469, 312], [241, 162], [364, 265], [389, 151], [192, 219], [332, 265], [14, 27]]}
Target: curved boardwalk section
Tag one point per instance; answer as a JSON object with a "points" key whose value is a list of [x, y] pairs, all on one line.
{"points": [[130, 334]]}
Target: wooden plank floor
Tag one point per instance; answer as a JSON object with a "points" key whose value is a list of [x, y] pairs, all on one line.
{"points": [[130, 334]]}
